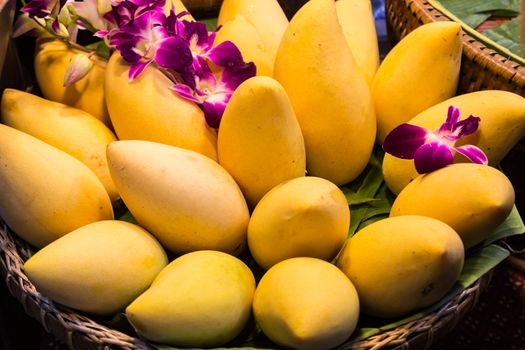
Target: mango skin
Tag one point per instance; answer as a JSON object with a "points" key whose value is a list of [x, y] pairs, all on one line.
{"points": [[308, 216], [69, 129], [407, 84], [306, 303], [357, 20], [146, 109], [473, 199], [270, 136], [502, 125], [51, 62], [99, 268], [201, 299], [401, 264], [185, 199], [329, 94], [46, 193]]}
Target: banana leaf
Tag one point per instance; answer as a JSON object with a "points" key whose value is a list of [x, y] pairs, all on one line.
{"points": [[475, 12], [508, 35]]}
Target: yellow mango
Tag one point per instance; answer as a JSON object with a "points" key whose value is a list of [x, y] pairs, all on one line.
{"points": [[245, 36], [266, 15], [179, 7], [419, 72], [401, 264], [185, 199], [473, 199], [329, 95], [307, 304], [502, 125], [146, 109], [46, 193], [201, 299], [51, 62], [357, 20], [72, 130], [266, 148], [308, 216], [99, 268]]}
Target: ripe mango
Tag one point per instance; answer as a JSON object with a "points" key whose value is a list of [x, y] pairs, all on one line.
{"points": [[245, 36], [473, 199], [260, 142], [306, 303], [308, 216], [99, 268], [185, 199], [46, 193], [51, 62], [179, 7], [201, 299], [69, 129], [401, 264], [266, 15], [419, 72], [502, 125], [329, 94], [146, 109], [357, 20]]}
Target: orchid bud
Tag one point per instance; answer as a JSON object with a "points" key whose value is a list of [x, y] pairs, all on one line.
{"points": [[25, 25], [65, 16], [78, 68]]}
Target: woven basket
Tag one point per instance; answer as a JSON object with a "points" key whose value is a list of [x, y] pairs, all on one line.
{"points": [[81, 333], [481, 67]]}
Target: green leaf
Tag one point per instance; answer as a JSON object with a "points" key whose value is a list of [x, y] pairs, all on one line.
{"points": [[100, 49], [128, 218], [354, 198], [508, 35], [211, 23], [512, 226]]}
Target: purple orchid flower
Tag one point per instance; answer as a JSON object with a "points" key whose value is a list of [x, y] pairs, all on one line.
{"points": [[435, 150], [45, 9]]}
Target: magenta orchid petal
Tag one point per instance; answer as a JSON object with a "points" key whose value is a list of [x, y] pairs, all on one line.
{"points": [[101, 33], [173, 53], [226, 54], [473, 153], [432, 156], [137, 68], [404, 140], [185, 92], [452, 118], [55, 26], [236, 75], [467, 126], [213, 111], [37, 8]]}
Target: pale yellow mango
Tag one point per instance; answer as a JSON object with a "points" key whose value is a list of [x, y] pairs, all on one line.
{"points": [[266, 15], [419, 72], [46, 193], [307, 304], [51, 62], [330, 96], [308, 216], [185, 199], [72, 130], [266, 148], [147, 109], [179, 7], [401, 264], [473, 199], [502, 125], [245, 36], [99, 268], [201, 299], [357, 20]]}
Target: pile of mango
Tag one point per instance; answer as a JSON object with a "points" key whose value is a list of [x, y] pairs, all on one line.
{"points": [[204, 196]]}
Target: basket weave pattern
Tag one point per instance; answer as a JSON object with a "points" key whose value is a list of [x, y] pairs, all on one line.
{"points": [[481, 67], [81, 333]]}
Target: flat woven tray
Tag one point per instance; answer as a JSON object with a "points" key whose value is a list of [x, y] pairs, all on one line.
{"points": [[82, 333], [481, 67]]}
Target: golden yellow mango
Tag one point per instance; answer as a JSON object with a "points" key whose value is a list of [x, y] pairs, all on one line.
{"points": [[329, 94], [46, 193], [245, 36], [307, 304], [419, 72], [473, 199], [99, 268], [201, 299], [69, 129], [502, 125], [357, 20], [147, 109], [185, 199], [179, 7], [401, 264], [266, 15], [51, 62], [266, 148], [308, 216]]}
